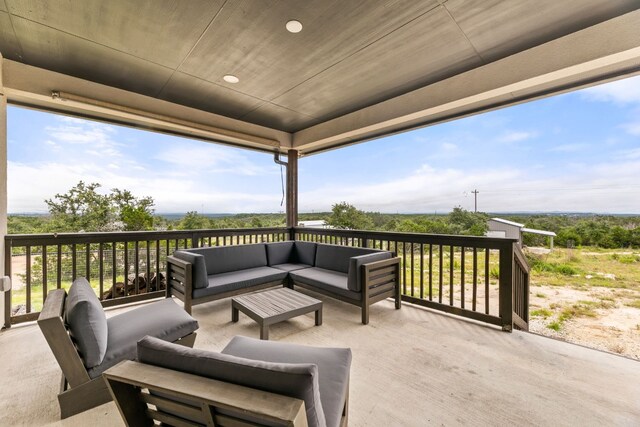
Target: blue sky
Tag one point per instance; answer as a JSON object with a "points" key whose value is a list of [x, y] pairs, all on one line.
{"points": [[573, 152]]}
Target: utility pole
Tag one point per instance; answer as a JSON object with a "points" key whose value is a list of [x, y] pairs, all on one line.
{"points": [[475, 197]]}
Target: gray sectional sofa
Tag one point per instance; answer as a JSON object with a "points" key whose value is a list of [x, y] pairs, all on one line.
{"points": [[359, 276]]}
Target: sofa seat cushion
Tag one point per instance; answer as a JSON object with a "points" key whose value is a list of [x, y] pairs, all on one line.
{"points": [[294, 379], [234, 280], [87, 322], [333, 367], [163, 319], [291, 267], [329, 280]]}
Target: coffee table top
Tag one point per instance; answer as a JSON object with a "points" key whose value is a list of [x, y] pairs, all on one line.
{"points": [[275, 302]]}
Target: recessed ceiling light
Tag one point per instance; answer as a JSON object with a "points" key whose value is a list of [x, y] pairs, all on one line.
{"points": [[231, 79], [294, 26]]}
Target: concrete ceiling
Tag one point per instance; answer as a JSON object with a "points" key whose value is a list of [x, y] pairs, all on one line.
{"points": [[351, 54]]}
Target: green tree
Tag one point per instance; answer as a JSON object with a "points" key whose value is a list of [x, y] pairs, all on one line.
{"points": [[83, 208], [346, 216], [135, 213], [193, 221], [464, 222]]}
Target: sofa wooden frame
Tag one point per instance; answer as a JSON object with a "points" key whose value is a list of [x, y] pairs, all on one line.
{"points": [[78, 391]]}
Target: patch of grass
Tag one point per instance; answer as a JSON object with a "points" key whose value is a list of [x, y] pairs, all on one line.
{"points": [[539, 265], [540, 295], [634, 304], [555, 326], [494, 273], [543, 312]]}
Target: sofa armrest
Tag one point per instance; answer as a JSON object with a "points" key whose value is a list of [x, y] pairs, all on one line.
{"points": [[354, 279], [381, 279], [179, 276]]}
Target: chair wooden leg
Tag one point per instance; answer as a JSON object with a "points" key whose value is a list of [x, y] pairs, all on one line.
{"points": [[83, 397], [365, 313]]}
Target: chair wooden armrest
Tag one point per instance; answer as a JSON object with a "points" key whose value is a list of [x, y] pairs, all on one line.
{"points": [[180, 281], [380, 280], [179, 398]]}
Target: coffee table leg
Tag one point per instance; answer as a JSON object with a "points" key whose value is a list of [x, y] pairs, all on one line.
{"points": [[264, 331], [234, 313], [319, 316]]}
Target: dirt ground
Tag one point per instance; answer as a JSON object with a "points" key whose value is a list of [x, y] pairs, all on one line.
{"points": [[615, 329], [600, 303]]}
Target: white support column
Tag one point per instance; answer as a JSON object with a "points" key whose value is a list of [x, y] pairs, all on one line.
{"points": [[4, 300]]}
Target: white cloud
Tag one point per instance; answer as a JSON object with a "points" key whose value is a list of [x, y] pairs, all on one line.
{"points": [[629, 154], [626, 91], [594, 188], [632, 128], [97, 137], [516, 136], [569, 148], [211, 158]]}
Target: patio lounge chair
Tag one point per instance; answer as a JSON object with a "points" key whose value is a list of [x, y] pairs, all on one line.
{"points": [[251, 382], [85, 343]]}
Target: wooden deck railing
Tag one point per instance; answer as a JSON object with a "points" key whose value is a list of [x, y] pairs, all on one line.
{"points": [[123, 266], [482, 278], [485, 279]]}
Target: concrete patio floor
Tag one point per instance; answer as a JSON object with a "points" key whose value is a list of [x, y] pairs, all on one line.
{"points": [[411, 367]]}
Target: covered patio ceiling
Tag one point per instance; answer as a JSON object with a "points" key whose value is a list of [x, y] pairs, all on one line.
{"points": [[357, 70]]}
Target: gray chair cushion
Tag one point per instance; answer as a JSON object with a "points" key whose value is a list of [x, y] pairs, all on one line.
{"points": [[336, 257], [329, 280], [233, 280], [198, 269], [163, 319], [291, 267], [221, 259], [279, 253], [304, 253], [354, 282], [298, 380], [87, 322], [333, 367]]}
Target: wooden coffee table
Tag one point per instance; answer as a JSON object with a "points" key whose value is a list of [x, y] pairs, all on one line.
{"points": [[273, 306]]}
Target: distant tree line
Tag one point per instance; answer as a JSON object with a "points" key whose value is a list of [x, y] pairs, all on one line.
{"points": [[84, 208]]}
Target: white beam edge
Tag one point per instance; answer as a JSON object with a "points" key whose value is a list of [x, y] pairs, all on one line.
{"points": [[583, 58], [32, 87]]}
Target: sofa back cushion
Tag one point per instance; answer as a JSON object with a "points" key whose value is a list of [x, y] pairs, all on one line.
{"points": [[298, 380], [222, 259], [198, 269], [304, 253], [279, 253], [337, 258], [87, 322]]}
